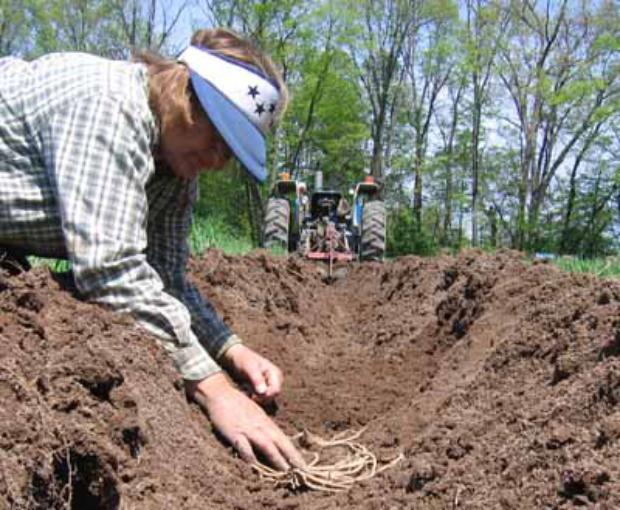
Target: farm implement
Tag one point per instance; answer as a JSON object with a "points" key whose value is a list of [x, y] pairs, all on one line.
{"points": [[322, 225]]}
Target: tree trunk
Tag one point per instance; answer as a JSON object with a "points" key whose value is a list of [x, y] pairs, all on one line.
{"points": [[447, 220], [572, 192], [493, 224], [255, 210], [417, 187], [570, 204], [376, 164], [475, 141]]}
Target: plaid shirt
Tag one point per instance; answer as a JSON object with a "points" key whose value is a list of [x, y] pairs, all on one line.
{"points": [[78, 181]]}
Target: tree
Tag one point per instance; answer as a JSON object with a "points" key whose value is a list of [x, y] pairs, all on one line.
{"points": [[485, 26], [381, 29], [427, 64], [326, 127], [110, 28], [13, 26], [147, 25], [566, 245], [448, 128], [562, 79]]}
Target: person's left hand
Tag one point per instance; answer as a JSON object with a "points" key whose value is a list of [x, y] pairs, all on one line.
{"points": [[264, 377]]}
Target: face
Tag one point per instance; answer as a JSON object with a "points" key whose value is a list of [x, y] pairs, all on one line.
{"points": [[189, 150]]}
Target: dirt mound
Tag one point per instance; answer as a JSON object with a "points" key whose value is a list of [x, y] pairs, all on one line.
{"points": [[498, 380]]}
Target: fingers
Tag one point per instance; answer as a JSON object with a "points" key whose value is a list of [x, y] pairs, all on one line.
{"points": [[245, 425], [291, 453], [244, 449], [266, 380], [268, 440], [276, 447], [273, 377], [264, 377], [271, 452], [257, 379], [273, 445]]}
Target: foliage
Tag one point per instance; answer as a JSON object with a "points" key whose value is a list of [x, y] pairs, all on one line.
{"points": [[54, 265], [489, 122], [223, 198], [601, 267], [214, 232], [110, 28], [333, 141], [587, 234], [13, 26], [405, 235]]}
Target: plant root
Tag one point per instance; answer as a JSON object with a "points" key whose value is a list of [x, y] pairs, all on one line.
{"points": [[355, 464]]}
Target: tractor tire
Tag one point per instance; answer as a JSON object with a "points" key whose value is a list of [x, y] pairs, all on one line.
{"points": [[372, 240], [275, 230]]}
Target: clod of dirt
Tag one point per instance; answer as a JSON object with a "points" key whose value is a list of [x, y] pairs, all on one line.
{"points": [[76, 481]]}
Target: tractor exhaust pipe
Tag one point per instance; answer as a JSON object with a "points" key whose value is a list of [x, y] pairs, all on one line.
{"points": [[318, 180]]}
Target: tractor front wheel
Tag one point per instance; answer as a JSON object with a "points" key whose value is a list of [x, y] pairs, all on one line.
{"points": [[275, 230], [372, 241]]}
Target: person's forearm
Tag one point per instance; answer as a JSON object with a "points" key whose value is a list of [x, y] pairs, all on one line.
{"points": [[210, 329], [135, 288]]}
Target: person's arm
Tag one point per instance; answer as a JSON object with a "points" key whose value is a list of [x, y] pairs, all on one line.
{"points": [[97, 152], [240, 420], [168, 252], [170, 222]]}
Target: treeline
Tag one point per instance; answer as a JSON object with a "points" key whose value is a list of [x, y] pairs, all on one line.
{"points": [[490, 123]]}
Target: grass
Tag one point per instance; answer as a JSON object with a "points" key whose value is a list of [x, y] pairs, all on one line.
{"points": [[206, 233], [603, 267], [209, 232], [212, 232], [55, 265]]}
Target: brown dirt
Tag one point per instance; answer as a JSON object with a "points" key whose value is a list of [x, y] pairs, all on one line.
{"points": [[498, 380]]}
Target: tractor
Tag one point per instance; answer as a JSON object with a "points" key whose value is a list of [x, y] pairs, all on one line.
{"points": [[322, 225]]}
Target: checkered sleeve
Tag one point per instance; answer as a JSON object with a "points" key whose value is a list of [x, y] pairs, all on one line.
{"points": [[168, 252], [98, 154]]}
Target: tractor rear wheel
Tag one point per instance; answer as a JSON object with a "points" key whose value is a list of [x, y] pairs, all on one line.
{"points": [[275, 230], [372, 241]]}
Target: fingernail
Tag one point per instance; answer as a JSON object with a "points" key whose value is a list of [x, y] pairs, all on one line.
{"points": [[261, 388]]}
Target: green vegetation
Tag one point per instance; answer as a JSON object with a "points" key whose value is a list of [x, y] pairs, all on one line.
{"points": [[405, 236], [602, 267], [213, 232], [55, 265], [207, 232]]}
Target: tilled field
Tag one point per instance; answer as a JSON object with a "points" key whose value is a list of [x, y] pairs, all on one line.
{"points": [[498, 381]]}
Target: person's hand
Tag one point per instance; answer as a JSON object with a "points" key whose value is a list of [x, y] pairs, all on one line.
{"points": [[263, 376], [243, 423]]}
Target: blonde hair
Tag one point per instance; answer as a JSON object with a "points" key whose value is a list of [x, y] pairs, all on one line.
{"points": [[170, 95]]}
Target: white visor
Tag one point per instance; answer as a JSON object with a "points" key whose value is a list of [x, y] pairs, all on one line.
{"points": [[239, 100]]}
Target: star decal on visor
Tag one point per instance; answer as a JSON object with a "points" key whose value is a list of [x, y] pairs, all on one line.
{"points": [[253, 91]]}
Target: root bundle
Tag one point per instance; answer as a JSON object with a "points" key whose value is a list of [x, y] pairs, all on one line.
{"points": [[337, 464]]}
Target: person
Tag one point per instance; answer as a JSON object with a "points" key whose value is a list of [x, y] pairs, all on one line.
{"points": [[343, 209], [98, 164]]}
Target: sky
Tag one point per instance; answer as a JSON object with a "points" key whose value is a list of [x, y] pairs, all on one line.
{"points": [[193, 17]]}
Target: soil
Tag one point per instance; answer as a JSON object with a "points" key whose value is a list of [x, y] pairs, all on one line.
{"points": [[498, 380]]}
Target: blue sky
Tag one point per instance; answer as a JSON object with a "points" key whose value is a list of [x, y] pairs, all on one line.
{"points": [[193, 17]]}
